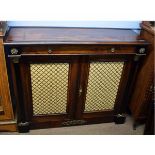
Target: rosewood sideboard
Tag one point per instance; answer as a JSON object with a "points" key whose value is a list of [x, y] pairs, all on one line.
{"points": [[72, 76]]}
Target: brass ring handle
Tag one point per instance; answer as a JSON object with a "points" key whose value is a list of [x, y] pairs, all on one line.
{"points": [[50, 51], [113, 50]]}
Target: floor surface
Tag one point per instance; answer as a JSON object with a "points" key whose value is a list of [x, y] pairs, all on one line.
{"points": [[95, 129]]}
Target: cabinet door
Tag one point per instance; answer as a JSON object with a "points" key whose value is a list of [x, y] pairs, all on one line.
{"points": [[48, 89], [102, 88]]}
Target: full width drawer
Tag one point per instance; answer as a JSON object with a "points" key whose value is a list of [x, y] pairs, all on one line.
{"points": [[71, 49]]}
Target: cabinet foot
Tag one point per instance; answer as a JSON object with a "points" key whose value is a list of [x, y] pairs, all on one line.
{"points": [[23, 127], [119, 119]]}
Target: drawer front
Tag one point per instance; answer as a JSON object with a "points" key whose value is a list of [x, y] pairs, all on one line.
{"points": [[70, 49]]}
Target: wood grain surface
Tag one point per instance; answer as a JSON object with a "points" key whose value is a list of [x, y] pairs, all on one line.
{"points": [[63, 35]]}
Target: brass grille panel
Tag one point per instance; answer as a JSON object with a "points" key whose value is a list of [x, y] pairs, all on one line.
{"points": [[103, 83], [49, 88]]}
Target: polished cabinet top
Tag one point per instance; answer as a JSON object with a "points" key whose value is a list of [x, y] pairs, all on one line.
{"points": [[66, 35]]}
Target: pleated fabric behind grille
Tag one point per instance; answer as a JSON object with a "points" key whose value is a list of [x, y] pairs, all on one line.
{"points": [[49, 88], [103, 83]]}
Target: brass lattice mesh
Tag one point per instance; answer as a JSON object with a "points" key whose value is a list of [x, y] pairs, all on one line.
{"points": [[49, 87], [103, 82]]}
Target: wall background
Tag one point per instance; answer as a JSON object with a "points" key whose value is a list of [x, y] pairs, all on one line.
{"points": [[100, 24]]}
